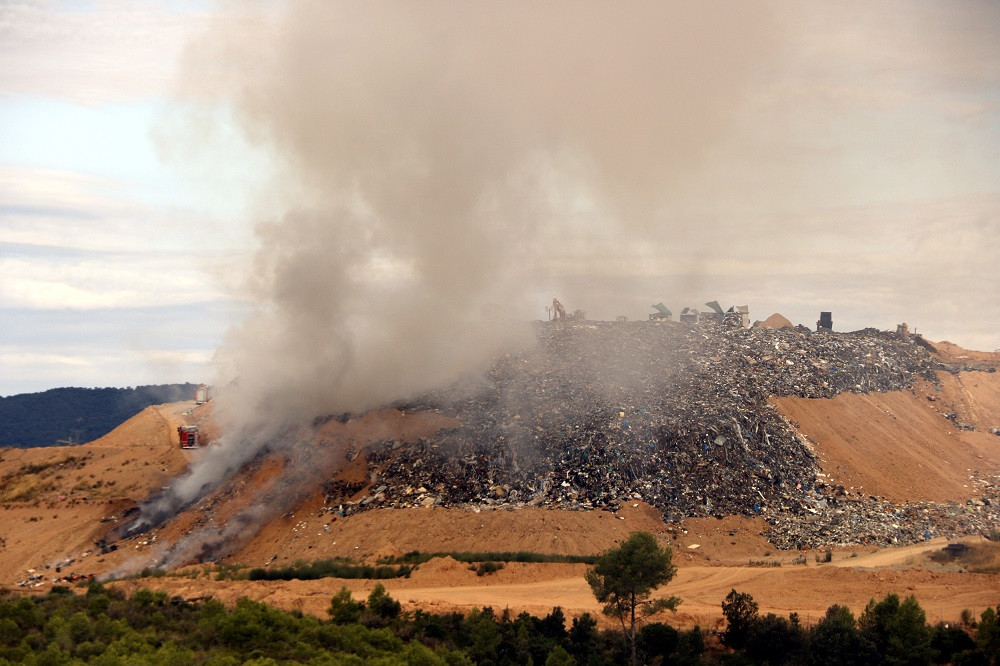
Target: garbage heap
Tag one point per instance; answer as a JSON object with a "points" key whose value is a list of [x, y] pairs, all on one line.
{"points": [[599, 413]]}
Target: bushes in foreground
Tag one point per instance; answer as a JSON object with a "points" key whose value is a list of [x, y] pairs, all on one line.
{"points": [[103, 627], [889, 631]]}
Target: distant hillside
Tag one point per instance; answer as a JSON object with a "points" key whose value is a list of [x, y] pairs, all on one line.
{"points": [[83, 414]]}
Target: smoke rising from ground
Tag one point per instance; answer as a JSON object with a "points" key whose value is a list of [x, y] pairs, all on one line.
{"points": [[437, 155], [431, 158]]}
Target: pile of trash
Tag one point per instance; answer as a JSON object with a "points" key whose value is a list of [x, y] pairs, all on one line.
{"points": [[57, 577], [600, 413], [870, 520]]}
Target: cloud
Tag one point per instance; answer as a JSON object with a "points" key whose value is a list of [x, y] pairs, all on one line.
{"points": [[99, 289], [75, 210], [27, 370], [92, 52], [42, 349], [100, 281], [866, 103], [71, 240]]}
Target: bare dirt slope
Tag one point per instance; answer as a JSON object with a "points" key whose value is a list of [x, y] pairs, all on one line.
{"points": [[777, 320], [949, 352], [901, 445], [57, 501], [384, 532], [974, 397]]}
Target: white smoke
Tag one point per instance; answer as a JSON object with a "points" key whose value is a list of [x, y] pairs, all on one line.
{"points": [[432, 157]]}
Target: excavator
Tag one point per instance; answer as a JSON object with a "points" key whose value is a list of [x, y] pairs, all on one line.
{"points": [[558, 310]]}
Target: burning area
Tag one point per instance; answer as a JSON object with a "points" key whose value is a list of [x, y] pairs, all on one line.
{"points": [[594, 416], [678, 416], [428, 161], [433, 167]]}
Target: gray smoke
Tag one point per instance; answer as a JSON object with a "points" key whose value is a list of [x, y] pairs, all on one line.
{"points": [[432, 157]]}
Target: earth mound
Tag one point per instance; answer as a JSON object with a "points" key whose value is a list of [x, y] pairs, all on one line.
{"points": [[777, 321]]}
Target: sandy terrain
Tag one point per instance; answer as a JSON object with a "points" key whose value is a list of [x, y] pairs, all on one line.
{"points": [[56, 502], [446, 585], [777, 320], [385, 532], [949, 352], [899, 445], [77, 493]]}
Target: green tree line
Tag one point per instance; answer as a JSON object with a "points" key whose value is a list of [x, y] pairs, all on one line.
{"points": [[80, 414], [101, 626], [890, 631]]}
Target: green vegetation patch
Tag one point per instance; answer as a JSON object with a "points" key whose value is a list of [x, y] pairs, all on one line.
{"points": [[101, 626], [78, 414], [416, 557], [335, 568]]}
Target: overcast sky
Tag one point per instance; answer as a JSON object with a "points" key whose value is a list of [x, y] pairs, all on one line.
{"points": [[802, 157]]}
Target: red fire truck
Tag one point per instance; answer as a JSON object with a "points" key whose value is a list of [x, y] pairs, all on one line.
{"points": [[188, 436]]}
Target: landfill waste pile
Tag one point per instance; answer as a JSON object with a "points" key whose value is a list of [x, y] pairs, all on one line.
{"points": [[38, 578], [601, 413]]}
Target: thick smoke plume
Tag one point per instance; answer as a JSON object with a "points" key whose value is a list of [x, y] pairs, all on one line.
{"points": [[432, 157]]}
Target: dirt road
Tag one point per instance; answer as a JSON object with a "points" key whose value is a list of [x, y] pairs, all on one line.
{"points": [[536, 588]]}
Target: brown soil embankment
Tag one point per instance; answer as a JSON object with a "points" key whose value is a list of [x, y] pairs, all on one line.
{"points": [[57, 501], [902, 445]]}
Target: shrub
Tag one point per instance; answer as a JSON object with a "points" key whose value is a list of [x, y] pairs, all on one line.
{"points": [[988, 633], [10, 633], [145, 597], [381, 604], [583, 636], [775, 640], [740, 611], [691, 647], [486, 568], [946, 642], [416, 557], [329, 569], [559, 657], [152, 572], [897, 629], [836, 640], [658, 640], [344, 609], [553, 625]]}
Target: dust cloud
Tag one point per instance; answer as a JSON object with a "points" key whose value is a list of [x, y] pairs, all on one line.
{"points": [[433, 157]]}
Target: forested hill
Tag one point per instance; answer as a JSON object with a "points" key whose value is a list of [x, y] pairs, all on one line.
{"points": [[83, 414]]}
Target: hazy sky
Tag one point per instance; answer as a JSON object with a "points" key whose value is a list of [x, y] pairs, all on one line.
{"points": [[792, 156]]}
